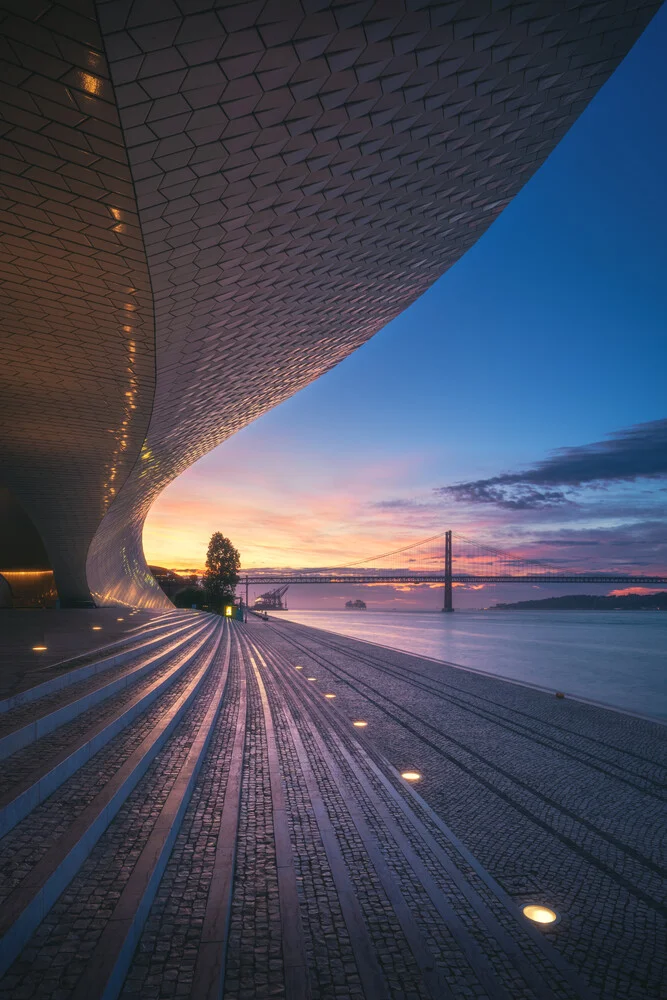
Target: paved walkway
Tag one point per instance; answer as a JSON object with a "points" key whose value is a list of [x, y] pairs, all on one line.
{"points": [[202, 819]]}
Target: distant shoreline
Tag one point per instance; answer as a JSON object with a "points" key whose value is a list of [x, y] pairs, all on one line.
{"points": [[591, 602], [548, 604]]}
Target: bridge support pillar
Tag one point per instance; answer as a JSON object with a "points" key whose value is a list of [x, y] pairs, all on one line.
{"points": [[449, 605]]}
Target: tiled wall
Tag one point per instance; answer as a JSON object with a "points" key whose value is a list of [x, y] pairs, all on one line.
{"points": [[77, 337], [303, 171]]}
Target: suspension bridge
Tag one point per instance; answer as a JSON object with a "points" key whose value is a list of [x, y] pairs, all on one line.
{"points": [[447, 558]]}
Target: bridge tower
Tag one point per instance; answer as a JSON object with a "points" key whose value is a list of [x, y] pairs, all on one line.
{"points": [[448, 572]]}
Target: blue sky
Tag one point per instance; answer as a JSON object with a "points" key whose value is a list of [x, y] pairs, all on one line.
{"points": [[548, 334]]}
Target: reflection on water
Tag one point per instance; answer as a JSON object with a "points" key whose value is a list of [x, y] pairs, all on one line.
{"points": [[616, 657]]}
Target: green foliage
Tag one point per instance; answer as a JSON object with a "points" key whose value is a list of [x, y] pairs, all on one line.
{"points": [[222, 571], [191, 595]]}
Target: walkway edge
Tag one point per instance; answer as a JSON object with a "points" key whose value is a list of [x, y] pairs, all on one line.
{"points": [[108, 964], [209, 975], [297, 986]]}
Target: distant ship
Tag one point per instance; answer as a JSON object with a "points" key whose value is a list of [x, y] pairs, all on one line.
{"points": [[356, 605]]}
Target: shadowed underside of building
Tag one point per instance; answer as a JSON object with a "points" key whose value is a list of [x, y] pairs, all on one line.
{"points": [[207, 206]]}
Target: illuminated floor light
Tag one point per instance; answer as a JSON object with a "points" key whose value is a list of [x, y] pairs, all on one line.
{"points": [[312, 678], [97, 628], [298, 668], [539, 914], [360, 724], [411, 775], [40, 649], [330, 696], [120, 619]]}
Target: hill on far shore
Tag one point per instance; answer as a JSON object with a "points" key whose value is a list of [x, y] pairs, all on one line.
{"points": [[591, 602]]}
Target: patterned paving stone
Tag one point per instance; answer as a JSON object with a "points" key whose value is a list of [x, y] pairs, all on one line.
{"points": [[610, 892], [390, 891], [166, 957]]}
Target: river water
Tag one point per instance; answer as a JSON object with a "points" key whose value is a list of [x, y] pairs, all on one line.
{"points": [[618, 658]]}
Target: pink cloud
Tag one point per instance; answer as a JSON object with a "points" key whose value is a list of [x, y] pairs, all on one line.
{"points": [[635, 590]]}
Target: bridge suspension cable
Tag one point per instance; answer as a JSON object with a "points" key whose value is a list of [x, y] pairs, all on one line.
{"points": [[385, 555], [437, 560], [466, 559]]}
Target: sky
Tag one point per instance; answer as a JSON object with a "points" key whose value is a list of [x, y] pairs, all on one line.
{"points": [[521, 401]]}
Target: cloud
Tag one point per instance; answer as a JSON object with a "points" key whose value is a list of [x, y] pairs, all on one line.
{"points": [[638, 452], [394, 504], [561, 543], [635, 590]]}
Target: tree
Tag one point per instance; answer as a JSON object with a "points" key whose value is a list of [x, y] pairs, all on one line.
{"points": [[222, 571], [191, 595]]}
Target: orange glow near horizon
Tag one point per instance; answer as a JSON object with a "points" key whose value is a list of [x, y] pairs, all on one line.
{"points": [[286, 510], [639, 591], [320, 518], [178, 530]]}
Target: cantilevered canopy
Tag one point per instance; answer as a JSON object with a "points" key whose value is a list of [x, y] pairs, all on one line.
{"points": [[205, 211]]}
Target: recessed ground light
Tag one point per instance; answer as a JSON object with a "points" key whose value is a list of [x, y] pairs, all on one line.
{"points": [[411, 775], [298, 668], [120, 619], [539, 914], [40, 649], [360, 724], [312, 678], [330, 696], [97, 628]]}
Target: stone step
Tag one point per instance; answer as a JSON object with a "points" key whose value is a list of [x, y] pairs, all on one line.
{"points": [[195, 894], [77, 668], [173, 615], [108, 964], [51, 770], [32, 722], [26, 906]]}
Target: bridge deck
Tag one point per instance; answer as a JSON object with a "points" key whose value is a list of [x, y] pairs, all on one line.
{"points": [[413, 576], [236, 835]]}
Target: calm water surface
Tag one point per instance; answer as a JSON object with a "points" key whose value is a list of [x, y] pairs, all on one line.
{"points": [[619, 658]]}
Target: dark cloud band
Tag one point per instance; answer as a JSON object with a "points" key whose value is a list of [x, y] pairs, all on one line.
{"points": [[638, 452]]}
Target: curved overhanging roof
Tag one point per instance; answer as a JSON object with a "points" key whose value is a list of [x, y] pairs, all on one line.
{"points": [[206, 211]]}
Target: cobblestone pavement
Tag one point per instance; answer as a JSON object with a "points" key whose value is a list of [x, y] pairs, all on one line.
{"points": [[241, 838], [562, 802]]}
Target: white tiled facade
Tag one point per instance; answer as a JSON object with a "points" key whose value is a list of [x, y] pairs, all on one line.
{"points": [[207, 205]]}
